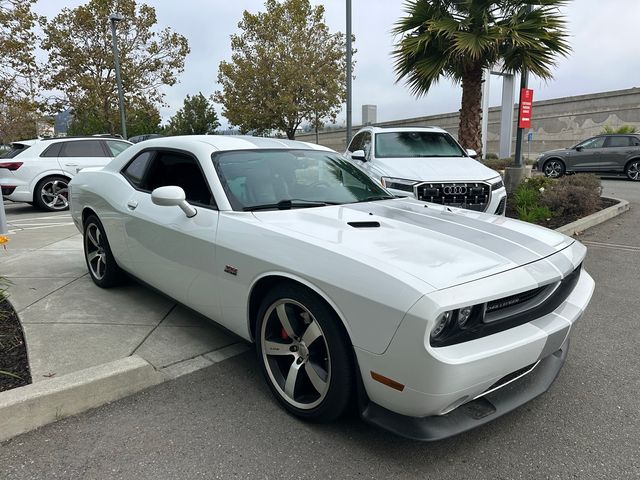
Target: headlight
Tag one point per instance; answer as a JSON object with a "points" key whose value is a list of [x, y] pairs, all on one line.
{"points": [[456, 323], [398, 183], [496, 183]]}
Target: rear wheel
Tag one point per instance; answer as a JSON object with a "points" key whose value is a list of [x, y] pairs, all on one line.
{"points": [[103, 269], [304, 354], [633, 170], [52, 194], [553, 168]]}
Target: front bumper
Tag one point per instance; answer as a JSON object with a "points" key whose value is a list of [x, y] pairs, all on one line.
{"points": [[472, 414]]}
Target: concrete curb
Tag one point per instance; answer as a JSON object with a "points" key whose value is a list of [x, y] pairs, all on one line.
{"points": [[579, 226], [26, 408]]}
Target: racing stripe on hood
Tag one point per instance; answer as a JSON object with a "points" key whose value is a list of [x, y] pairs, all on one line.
{"points": [[517, 247]]}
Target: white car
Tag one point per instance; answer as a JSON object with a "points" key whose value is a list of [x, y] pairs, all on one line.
{"points": [[434, 319], [38, 171], [428, 164]]}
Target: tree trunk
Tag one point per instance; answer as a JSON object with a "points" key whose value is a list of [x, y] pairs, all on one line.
{"points": [[470, 130], [291, 133]]}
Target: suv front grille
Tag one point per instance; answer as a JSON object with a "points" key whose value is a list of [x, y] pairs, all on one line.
{"points": [[472, 196]]}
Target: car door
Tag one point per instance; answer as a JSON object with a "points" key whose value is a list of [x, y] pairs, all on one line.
{"points": [[586, 156], [78, 154], [616, 151], [169, 251]]}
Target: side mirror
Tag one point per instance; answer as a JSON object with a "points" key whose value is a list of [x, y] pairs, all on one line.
{"points": [[472, 153], [579, 149], [172, 197], [358, 155]]}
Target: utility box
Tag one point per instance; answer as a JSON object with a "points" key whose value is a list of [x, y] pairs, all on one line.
{"points": [[369, 114]]}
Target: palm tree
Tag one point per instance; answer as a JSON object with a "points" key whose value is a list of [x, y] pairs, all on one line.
{"points": [[457, 39]]}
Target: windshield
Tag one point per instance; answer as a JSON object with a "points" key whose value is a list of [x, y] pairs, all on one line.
{"points": [[416, 144], [284, 179]]}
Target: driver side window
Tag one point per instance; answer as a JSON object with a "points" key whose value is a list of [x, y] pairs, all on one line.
{"points": [[170, 168], [597, 142], [357, 142]]}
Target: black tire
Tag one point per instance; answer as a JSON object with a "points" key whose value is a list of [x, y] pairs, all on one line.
{"points": [[554, 168], [103, 269], [52, 194], [329, 357], [632, 170]]}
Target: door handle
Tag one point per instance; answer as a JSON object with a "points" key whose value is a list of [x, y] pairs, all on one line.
{"points": [[71, 164], [132, 204]]}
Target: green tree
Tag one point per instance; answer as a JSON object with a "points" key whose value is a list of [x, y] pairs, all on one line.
{"points": [[286, 67], [143, 117], [457, 39], [196, 117], [19, 73], [81, 63]]}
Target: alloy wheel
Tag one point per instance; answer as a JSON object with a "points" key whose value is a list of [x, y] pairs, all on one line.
{"points": [[55, 194], [94, 248], [633, 171], [553, 169], [295, 354]]}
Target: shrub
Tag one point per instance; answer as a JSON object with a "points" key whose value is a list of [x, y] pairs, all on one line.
{"points": [[491, 156], [574, 196], [527, 200], [624, 130], [497, 163]]}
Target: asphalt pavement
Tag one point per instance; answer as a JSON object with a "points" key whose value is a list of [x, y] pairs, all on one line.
{"points": [[221, 422]]}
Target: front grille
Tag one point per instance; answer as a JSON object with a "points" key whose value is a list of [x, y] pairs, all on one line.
{"points": [[472, 196], [513, 300]]}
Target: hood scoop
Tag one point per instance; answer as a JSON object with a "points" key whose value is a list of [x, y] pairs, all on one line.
{"points": [[364, 224]]}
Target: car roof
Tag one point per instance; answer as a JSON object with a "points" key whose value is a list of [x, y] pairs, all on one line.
{"points": [[33, 141], [231, 142], [403, 129]]}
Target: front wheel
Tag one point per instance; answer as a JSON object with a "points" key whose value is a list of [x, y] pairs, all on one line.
{"points": [[633, 170], [52, 194], [553, 168], [304, 354], [103, 269]]}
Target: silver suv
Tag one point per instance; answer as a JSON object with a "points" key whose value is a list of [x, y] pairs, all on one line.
{"points": [[38, 171], [604, 153]]}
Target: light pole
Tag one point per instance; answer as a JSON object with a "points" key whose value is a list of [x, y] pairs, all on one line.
{"points": [[349, 53], [113, 18]]}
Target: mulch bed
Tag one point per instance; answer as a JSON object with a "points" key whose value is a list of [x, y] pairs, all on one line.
{"points": [[14, 364], [557, 222]]}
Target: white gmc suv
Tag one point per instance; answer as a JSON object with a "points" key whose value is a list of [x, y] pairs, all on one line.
{"points": [[38, 171], [428, 164]]}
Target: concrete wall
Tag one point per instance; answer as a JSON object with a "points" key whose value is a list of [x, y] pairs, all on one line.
{"points": [[557, 123]]}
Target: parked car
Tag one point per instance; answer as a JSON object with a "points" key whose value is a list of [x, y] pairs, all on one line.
{"points": [[434, 319], [604, 153], [428, 164], [38, 171], [146, 136]]}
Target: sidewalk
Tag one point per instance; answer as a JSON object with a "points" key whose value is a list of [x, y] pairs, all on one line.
{"points": [[71, 324]]}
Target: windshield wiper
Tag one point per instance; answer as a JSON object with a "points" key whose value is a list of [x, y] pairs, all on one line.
{"points": [[375, 197], [288, 205]]}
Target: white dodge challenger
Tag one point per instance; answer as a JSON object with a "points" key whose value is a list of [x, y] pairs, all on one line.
{"points": [[433, 320]]}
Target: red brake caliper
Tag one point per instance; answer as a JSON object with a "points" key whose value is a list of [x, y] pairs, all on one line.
{"points": [[284, 334]]}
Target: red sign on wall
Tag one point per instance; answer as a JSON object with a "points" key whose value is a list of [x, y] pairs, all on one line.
{"points": [[526, 108]]}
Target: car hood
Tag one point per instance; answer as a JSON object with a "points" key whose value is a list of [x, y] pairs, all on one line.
{"points": [[435, 169], [441, 246], [555, 151]]}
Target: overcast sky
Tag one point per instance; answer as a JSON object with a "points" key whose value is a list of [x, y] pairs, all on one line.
{"points": [[604, 36]]}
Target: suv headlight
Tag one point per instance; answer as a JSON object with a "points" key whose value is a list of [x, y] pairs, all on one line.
{"points": [[496, 183], [398, 183]]}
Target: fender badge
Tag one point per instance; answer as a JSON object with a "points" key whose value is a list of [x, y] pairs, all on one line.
{"points": [[231, 270]]}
